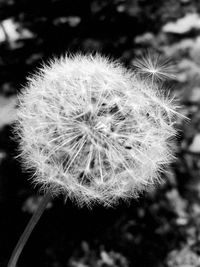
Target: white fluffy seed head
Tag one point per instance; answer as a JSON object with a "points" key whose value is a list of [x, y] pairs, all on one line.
{"points": [[93, 130]]}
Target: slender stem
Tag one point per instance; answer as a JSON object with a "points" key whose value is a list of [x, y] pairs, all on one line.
{"points": [[28, 230]]}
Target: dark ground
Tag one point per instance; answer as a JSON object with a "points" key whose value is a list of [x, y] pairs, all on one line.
{"points": [[162, 228]]}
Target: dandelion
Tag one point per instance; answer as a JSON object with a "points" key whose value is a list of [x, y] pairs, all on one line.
{"points": [[94, 130]]}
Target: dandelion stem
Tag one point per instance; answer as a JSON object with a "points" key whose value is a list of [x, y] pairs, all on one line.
{"points": [[28, 230]]}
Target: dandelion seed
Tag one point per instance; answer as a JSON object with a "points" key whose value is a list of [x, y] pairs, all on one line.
{"points": [[153, 66], [94, 130]]}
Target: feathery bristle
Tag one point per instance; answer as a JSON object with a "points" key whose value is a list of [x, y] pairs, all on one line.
{"points": [[153, 66]]}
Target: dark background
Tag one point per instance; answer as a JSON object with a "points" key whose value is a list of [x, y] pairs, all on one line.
{"points": [[162, 227]]}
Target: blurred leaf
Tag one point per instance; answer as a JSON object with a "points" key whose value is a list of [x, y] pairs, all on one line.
{"points": [[7, 110], [183, 25], [195, 146]]}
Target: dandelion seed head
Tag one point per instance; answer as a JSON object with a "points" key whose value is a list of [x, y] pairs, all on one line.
{"points": [[93, 130]]}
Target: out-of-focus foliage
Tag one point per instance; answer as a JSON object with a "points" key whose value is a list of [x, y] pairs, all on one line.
{"points": [[96, 258], [183, 258], [163, 227]]}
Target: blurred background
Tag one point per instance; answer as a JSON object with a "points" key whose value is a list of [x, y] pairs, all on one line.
{"points": [[162, 227]]}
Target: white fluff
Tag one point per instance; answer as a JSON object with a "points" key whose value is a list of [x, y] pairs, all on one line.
{"points": [[93, 130]]}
